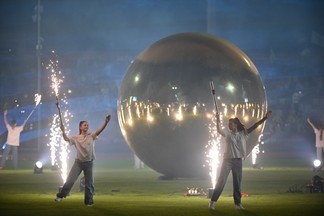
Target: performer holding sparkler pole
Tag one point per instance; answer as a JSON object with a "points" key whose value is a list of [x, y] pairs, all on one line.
{"points": [[84, 144], [13, 139], [235, 152]]}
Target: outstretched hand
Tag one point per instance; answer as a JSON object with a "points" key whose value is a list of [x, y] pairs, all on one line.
{"points": [[268, 114]]}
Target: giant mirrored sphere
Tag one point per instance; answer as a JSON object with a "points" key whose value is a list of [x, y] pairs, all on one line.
{"points": [[165, 106]]}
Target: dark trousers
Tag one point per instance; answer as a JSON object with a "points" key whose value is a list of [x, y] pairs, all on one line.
{"points": [[87, 168], [234, 165], [14, 155]]}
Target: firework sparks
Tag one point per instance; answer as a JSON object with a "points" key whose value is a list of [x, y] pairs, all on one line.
{"points": [[58, 147], [256, 151], [213, 153], [213, 146], [38, 99]]}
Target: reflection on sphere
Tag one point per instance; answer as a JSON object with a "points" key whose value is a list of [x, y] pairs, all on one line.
{"points": [[165, 106]]}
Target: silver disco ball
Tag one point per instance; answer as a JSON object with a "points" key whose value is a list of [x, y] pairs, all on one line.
{"points": [[165, 105]]}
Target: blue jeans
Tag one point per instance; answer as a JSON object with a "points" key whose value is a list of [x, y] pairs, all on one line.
{"points": [[14, 155], [234, 165], [76, 169]]}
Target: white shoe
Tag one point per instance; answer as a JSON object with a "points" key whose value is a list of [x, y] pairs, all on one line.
{"points": [[58, 199], [239, 206], [211, 205]]}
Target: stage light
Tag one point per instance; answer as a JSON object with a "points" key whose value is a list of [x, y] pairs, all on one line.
{"points": [[38, 168], [317, 165]]}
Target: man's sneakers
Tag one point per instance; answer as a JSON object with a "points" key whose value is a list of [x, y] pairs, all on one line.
{"points": [[58, 199], [239, 206], [211, 205]]}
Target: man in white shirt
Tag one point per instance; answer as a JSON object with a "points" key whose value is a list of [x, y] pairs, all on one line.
{"points": [[13, 141], [319, 139]]}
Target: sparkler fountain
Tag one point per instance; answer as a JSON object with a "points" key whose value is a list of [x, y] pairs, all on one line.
{"points": [[58, 147], [164, 109], [38, 98], [213, 153]]}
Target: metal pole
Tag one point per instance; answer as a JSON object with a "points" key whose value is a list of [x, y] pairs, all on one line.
{"points": [[214, 96], [38, 53]]}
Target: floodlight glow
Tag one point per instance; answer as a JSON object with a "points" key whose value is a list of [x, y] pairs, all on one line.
{"points": [[194, 110], [209, 116], [39, 164], [149, 116], [38, 168], [130, 122], [179, 116], [230, 87], [317, 163], [246, 118], [136, 78]]}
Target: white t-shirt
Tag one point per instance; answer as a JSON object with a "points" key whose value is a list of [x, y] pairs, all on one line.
{"points": [[319, 142], [235, 144], [13, 138], [85, 146]]}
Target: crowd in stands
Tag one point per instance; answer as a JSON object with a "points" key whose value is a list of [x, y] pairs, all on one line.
{"points": [[293, 99]]}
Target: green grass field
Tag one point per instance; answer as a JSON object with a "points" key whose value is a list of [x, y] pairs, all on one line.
{"points": [[140, 192]]}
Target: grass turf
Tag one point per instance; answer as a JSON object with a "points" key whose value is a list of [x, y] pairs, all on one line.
{"points": [[139, 192]]}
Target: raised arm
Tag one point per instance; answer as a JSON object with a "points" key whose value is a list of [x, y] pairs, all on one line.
{"points": [[311, 124], [219, 129], [65, 137], [5, 117], [107, 119], [257, 124]]}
